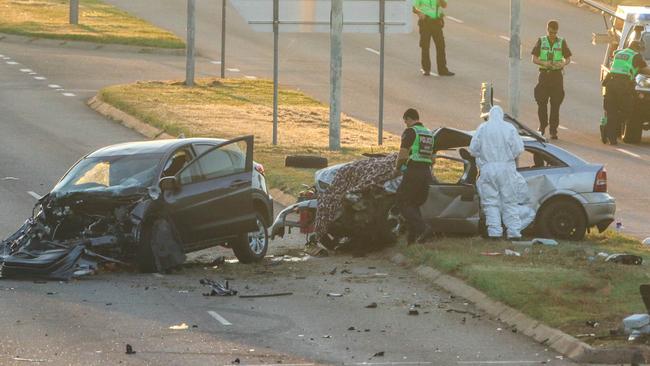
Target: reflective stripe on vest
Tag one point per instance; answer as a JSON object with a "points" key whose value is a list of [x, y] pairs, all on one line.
{"points": [[551, 53], [422, 149], [624, 63]]}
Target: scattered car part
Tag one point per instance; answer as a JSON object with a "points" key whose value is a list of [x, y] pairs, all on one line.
{"points": [[305, 161], [217, 289], [129, 350], [623, 258], [181, 326], [276, 294]]}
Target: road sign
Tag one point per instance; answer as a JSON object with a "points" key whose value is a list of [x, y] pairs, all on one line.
{"points": [[297, 16]]}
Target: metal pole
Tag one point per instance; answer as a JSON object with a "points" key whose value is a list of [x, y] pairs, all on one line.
{"points": [[189, 59], [382, 18], [276, 16], [74, 11], [223, 39], [336, 61], [515, 57]]}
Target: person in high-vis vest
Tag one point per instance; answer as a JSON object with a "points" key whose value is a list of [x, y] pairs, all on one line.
{"points": [[552, 54], [619, 84], [430, 22], [496, 144], [414, 161]]}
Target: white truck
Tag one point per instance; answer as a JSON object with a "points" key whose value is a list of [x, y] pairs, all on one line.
{"points": [[624, 25]]}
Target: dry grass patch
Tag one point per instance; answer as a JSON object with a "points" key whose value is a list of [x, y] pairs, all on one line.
{"points": [[98, 22], [236, 107]]}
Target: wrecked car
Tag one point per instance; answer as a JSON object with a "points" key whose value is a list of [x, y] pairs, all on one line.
{"points": [[568, 196], [147, 203]]}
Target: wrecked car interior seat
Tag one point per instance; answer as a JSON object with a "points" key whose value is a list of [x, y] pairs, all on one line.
{"points": [[471, 171], [176, 163]]}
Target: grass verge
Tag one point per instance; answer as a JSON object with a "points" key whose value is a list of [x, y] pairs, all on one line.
{"points": [[566, 286], [98, 22], [236, 107]]}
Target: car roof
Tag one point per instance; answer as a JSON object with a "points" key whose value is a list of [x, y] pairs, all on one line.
{"points": [[149, 147]]}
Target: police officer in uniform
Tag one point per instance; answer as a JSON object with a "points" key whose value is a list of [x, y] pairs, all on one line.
{"points": [[414, 161], [551, 53], [618, 100], [431, 21]]}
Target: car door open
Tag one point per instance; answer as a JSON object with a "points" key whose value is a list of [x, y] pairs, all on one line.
{"points": [[214, 200]]}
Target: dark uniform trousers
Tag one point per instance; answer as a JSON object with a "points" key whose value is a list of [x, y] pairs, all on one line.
{"points": [[432, 28], [618, 103], [550, 87], [411, 194]]}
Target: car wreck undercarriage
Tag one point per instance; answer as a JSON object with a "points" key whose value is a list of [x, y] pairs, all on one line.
{"points": [[74, 233]]}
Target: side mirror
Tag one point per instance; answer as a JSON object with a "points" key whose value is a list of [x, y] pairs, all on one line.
{"points": [[168, 184]]}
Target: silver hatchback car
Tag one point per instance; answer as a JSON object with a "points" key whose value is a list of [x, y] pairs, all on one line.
{"points": [[567, 194]]}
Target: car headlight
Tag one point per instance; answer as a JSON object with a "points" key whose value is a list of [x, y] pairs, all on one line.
{"points": [[642, 81]]}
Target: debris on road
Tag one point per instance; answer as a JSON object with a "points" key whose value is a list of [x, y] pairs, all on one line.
{"points": [[413, 311], [274, 294], [333, 272], [379, 354], [334, 294], [623, 258], [129, 349], [181, 326], [217, 289], [372, 305]]}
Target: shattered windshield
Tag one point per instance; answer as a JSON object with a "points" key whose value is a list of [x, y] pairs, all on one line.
{"points": [[110, 174]]}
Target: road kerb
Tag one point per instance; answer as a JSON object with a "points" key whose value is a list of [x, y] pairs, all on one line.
{"points": [[127, 120], [83, 45]]}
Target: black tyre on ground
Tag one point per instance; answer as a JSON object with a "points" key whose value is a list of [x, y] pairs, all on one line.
{"points": [[305, 161], [562, 219], [144, 254], [632, 131], [251, 247]]}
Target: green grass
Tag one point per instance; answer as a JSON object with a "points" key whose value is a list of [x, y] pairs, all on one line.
{"points": [[563, 286], [98, 22]]}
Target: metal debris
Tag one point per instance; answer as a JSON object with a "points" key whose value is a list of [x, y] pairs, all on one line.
{"points": [[181, 326], [129, 350], [372, 305], [274, 294], [217, 289]]}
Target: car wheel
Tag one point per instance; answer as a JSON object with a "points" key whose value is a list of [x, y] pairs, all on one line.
{"points": [[144, 254], [631, 131], [387, 226], [563, 219], [305, 161], [251, 247]]}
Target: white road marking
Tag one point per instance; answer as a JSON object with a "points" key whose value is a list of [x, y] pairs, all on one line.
{"points": [[11, 62], [216, 62], [33, 73], [34, 194], [497, 362], [390, 363], [233, 70], [2, 56], [497, 100], [10, 178], [60, 89], [250, 77], [573, 62], [373, 51], [54, 86], [219, 318], [454, 19], [40, 78], [628, 153], [69, 94], [505, 38], [6, 58], [25, 70], [562, 127], [158, 275]]}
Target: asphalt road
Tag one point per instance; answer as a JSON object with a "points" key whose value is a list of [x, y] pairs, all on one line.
{"points": [[90, 321], [477, 50]]}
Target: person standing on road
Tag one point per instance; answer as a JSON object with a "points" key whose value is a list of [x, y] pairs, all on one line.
{"points": [[619, 84], [551, 53], [430, 22], [496, 144], [414, 161]]}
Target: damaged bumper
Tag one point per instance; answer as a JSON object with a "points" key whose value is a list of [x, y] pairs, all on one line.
{"points": [[281, 222], [600, 209]]}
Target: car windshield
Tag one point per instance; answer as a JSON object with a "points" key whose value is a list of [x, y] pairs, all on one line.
{"points": [[110, 174]]}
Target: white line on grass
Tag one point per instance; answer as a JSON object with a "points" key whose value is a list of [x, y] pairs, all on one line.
{"points": [[251, 77]]}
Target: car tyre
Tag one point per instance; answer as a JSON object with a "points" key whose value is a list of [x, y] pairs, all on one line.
{"points": [[144, 254], [252, 246], [563, 219], [305, 161], [632, 131]]}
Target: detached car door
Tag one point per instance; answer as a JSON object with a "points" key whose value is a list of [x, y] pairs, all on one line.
{"points": [[214, 200]]}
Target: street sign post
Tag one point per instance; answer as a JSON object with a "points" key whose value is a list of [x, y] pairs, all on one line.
{"points": [[74, 11], [336, 17], [191, 28], [223, 38], [515, 57]]}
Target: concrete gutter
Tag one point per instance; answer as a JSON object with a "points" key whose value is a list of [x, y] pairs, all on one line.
{"points": [[555, 339], [82, 45]]}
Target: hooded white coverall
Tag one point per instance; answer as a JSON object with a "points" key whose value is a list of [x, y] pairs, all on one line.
{"points": [[495, 145]]}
